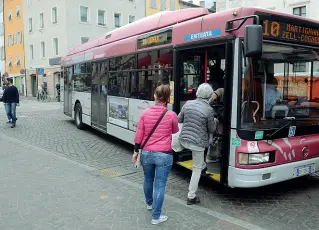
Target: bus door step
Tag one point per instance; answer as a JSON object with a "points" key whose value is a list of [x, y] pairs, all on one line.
{"points": [[185, 155]]}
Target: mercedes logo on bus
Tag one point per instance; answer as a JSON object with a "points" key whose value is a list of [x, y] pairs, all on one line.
{"points": [[305, 151]]}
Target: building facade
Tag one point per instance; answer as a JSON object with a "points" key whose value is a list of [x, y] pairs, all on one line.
{"points": [[53, 28], [14, 43], [188, 4], [156, 6], [2, 45], [305, 8], [193, 4]]}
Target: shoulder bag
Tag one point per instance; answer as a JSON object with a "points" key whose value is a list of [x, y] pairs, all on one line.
{"points": [[138, 162]]}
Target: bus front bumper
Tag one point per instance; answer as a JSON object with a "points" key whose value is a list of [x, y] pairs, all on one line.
{"points": [[250, 178]]}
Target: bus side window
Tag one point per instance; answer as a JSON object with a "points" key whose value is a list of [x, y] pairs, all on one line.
{"points": [[154, 68], [82, 77]]}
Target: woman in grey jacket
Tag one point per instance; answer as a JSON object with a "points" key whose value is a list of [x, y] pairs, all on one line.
{"points": [[198, 121]]}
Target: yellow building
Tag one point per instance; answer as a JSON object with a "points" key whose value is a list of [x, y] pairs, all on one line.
{"points": [[155, 6], [14, 44]]}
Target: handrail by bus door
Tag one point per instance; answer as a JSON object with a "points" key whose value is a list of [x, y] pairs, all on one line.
{"points": [[230, 23]]}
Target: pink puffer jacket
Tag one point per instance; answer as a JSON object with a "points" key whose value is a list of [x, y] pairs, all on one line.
{"points": [[161, 140]]}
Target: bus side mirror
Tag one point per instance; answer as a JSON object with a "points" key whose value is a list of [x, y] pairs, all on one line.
{"points": [[253, 41]]}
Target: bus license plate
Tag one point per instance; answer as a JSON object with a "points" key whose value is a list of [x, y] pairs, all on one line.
{"points": [[304, 170]]}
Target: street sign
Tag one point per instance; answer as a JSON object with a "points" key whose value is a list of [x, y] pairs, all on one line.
{"points": [[40, 71]]}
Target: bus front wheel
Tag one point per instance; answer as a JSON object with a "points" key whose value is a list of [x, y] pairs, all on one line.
{"points": [[78, 116]]}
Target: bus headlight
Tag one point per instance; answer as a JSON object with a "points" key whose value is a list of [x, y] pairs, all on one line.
{"points": [[253, 159]]}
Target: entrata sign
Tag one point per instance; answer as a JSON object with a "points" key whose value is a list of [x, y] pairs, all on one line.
{"points": [[290, 32]]}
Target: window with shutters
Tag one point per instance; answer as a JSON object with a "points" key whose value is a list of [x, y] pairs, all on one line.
{"points": [[101, 17], [10, 15], [42, 49], [117, 20], [18, 11], [41, 20], [18, 60], [84, 14], [10, 40], [300, 11], [31, 52], [153, 4], [172, 5], [10, 62], [30, 25], [1, 53], [1, 29], [18, 37], [163, 4], [131, 18], [84, 40], [56, 46], [54, 15]]}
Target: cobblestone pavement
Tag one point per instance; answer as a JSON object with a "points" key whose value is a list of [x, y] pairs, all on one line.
{"points": [[289, 205], [39, 190]]}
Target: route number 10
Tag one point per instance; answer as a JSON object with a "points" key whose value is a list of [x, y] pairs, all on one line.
{"points": [[271, 28]]}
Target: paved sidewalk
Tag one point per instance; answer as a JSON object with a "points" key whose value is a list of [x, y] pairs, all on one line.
{"points": [[40, 190]]}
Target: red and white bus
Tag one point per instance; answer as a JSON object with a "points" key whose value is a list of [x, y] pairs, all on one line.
{"points": [[271, 132]]}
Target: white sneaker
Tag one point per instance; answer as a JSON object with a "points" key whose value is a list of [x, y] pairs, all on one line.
{"points": [[149, 207], [160, 220]]}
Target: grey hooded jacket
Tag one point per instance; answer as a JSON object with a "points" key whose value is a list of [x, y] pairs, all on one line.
{"points": [[198, 121]]}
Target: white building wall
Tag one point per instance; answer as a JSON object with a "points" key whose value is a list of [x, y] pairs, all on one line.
{"points": [[45, 34], [69, 29], [285, 6], [77, 29], [2, 46]]}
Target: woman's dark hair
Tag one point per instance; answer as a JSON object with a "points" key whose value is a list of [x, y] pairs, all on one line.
{"points": [[163, 93]]}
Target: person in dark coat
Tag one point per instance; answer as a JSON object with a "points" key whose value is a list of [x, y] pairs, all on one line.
{"points": [[11, 100]]}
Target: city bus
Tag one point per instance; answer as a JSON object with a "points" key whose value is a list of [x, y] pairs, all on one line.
{"points": [[269, 64]]}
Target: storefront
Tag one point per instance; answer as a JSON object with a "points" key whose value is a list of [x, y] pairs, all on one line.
{"points": [[18, 81]]}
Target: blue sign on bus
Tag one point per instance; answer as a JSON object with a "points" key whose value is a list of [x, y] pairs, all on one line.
{"points": [[204, 34]]}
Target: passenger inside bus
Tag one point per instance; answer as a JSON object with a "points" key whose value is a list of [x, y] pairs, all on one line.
{"points": [[206, 65], [279, 86], [273, 95]]}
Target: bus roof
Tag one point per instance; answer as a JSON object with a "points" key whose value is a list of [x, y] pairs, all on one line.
{"points": [[187, 25], [144, 25]]}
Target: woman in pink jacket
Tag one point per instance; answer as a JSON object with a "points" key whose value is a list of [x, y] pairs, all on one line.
{"points": [[156, 158]]}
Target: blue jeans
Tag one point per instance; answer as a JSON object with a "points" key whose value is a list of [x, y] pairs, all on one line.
{"points": [[11, 111], [157, 166]]}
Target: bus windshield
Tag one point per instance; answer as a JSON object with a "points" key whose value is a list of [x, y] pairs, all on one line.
{"points": [[283, 84]]}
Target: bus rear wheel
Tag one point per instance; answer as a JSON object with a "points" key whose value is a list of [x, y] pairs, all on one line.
{"points": [[78, 116]]}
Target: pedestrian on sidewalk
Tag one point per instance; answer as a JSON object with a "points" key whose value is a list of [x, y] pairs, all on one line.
{"points": [[5, 86], [11, 101], [154, 137], [198, 121]]}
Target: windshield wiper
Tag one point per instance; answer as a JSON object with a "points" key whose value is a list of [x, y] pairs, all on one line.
{"points": [[292, 119]]}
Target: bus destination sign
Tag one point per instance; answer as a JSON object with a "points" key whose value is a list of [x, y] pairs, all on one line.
{"points": [[289, 32], [161, 38]]}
